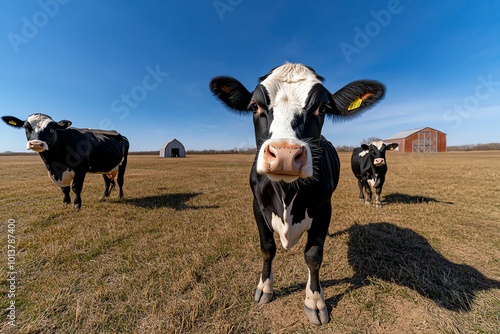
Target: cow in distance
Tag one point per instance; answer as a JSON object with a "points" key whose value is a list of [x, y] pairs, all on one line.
{"points": [[369, 165], [70, 153]]}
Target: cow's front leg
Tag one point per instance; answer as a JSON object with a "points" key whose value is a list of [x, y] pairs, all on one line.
{"points": [[361, 194], [315, 305], [378, 192], [264, 291], [378, 202], [368, 198], [66, 198], [77, 187]]}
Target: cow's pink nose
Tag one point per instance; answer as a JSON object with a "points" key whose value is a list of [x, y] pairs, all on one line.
{"points": [[37, 145], [379, 161], [285, 158]]}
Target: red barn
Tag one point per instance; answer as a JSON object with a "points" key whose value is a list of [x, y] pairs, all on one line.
{"points": [[421, 140]]}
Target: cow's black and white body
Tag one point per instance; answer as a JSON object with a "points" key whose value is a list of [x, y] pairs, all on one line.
{"points": [[70, 153], [369, 165], [296, 169]]}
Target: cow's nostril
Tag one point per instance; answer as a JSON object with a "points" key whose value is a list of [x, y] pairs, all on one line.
{"points": [[272, 151], [300, 155]]}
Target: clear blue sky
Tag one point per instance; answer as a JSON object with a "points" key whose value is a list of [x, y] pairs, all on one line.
{"points": [[143, 67]]}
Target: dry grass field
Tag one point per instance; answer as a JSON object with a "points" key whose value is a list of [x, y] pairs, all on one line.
{"points": [[180, 253]]}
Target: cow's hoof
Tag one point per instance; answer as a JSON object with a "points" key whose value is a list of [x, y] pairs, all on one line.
{"points": [[317, 317], [77, 206], [378, 206], [368, 203], [261, 297]]}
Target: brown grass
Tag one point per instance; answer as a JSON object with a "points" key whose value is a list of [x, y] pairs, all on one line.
{"points": [[180, 254]]}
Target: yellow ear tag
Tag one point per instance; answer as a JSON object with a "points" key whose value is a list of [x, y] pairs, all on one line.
{"points": [[11, 122], [355, 104]]}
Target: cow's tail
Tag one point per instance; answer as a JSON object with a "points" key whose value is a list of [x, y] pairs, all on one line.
{"points": [[123, 166]]}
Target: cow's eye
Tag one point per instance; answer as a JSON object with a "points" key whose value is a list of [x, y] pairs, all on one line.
{"points": [[254, 107], [320, 110], [52, 130]]}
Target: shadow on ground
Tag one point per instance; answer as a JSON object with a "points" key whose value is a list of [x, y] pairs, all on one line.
{"points": [[410, 199], [399, 255], [174, 201], [402, 256]]}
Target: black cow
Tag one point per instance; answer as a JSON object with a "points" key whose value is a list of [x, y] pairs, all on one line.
{"points": [[296, 169], [369, 165], [70, 153]]}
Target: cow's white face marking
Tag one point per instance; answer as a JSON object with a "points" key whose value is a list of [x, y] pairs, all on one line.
{"points": [[363, 153], [289, 234], [377, 144], [38, 123], [67, 176], [288, 87]]}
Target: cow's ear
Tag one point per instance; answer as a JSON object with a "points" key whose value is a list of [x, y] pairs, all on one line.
{"points": [[231, 92], [355, 97], [63, 124], [13, 121], [365, 147], [391, 146]]}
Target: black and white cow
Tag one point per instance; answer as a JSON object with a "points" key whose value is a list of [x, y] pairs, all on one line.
{"points": [[70, 153], [296, 169], [369, 165]]}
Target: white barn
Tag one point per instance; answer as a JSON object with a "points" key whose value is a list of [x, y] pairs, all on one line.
{"points": [[173, 148]]}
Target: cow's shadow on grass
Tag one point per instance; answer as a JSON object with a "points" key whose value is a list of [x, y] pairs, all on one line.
{"points": [[399, 255], [174, 201], [393, 198], [402, 256]]}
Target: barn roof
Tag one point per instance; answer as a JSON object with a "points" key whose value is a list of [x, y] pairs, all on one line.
{"points": [[404, 134], [407, 133], [173, 141]]}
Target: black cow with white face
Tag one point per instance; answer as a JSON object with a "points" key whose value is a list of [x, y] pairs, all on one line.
{"points": [[70, 153], [369, 165], [296, 169]]}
